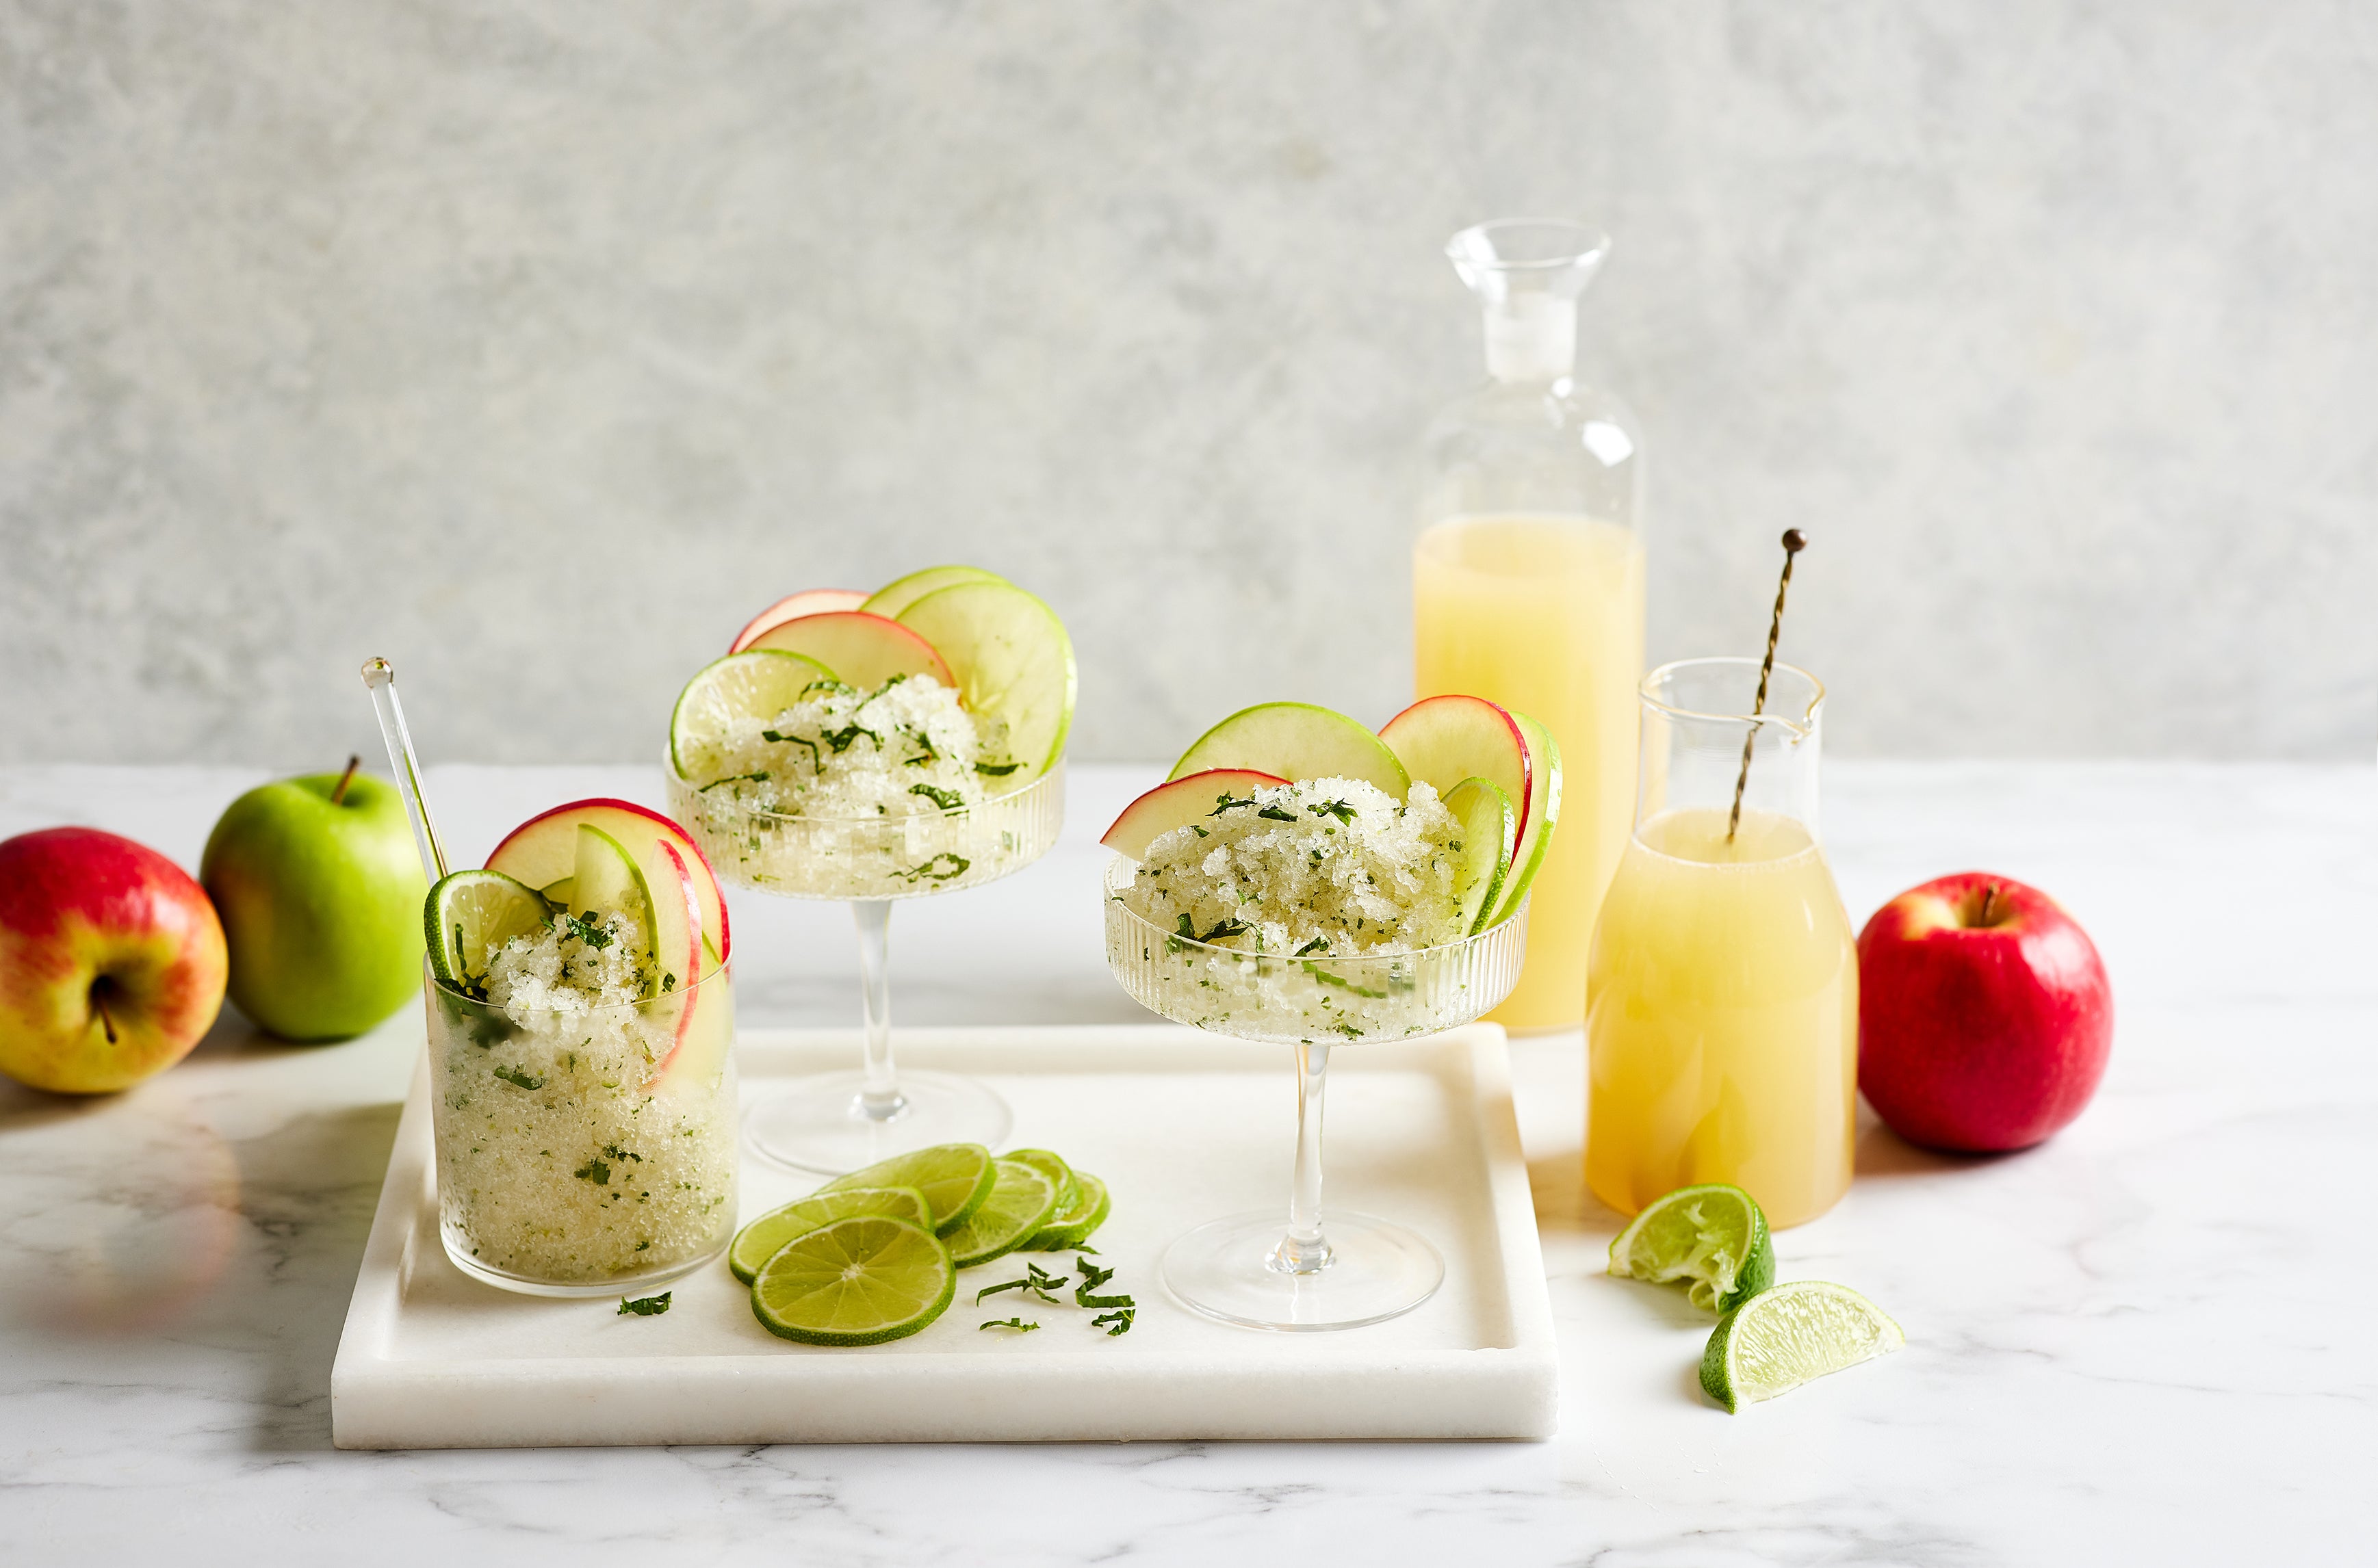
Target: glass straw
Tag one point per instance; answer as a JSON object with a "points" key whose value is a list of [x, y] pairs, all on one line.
{"points": [[379, 679]]}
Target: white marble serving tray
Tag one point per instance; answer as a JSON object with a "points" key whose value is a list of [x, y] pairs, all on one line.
{"points": [[1183, 1126]]}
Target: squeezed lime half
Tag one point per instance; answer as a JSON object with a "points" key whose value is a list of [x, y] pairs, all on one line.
{"points": [[1714, 1236]]}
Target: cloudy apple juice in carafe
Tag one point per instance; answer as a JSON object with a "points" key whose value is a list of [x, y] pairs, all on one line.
{"points": [[1722, 1028], [1528, 576], [1545, 615]]}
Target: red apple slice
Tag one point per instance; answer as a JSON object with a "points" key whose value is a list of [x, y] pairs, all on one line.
{"points": [[677, 941], [544, 850], [1443, 740], [1298, 741], [1180, 803], [793, 606], [864, 651]]}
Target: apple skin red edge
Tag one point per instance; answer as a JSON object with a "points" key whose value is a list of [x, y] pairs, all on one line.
{"points": [[1985, 1016], [684, 843], [80, 906]]}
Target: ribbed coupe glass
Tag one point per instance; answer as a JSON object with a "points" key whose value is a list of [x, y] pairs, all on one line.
{"points": [[839, 1121], [1255, 1270]]}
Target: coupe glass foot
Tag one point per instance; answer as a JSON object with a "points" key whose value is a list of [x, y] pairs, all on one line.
{"points": [[1224, 1269], [821, 1124]]}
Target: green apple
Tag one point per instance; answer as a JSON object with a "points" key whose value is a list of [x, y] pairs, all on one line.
{"points": [[1297, 741], [319, 889]]}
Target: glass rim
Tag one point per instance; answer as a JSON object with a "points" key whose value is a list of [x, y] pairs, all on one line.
{"points": [[1181, 943], [690, 987], [1473, 246], [943, 814], [1644, 692]]}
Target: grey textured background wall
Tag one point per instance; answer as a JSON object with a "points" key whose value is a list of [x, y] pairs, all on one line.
{"points": [[535, 343]]}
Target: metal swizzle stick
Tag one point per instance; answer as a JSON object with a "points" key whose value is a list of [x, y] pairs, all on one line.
{"points": [[1793, 542], [379, 679]]}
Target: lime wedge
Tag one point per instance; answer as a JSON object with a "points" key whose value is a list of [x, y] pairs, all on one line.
{"points": [[1714, 1236], [1791, 1335], [1490, 830], [953, 1178], [1071, 1226], [1052, 1166], [469, 913], [758, 1241], [857, 1280], [1021, 1200], [757, 685]]}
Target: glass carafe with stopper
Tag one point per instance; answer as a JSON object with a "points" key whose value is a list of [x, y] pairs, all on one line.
{"points": [[1528, 573], [1723, 1033]]}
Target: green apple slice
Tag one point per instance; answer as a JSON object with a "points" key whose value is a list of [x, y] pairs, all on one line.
{"points": [[754, 685], [1297, 741], [608, 881], [1490, 830], [1012, 662], [469, 914], [901, 592], [864, 650], [1543, 811]]}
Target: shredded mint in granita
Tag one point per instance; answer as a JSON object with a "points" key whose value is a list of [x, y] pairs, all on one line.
{"points": [[905, 749], [1333, 862]]}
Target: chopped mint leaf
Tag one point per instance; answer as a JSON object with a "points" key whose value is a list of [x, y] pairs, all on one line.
{"points": [[1276, 815], [840, 739], [644, 1306], [1199, 831], [947, 799], [1093, 1276], [995, 1289], [996, 769], [1016, 1323], [1120, 1319], [733, 778], [595, 1171], [1318, 944], [1342, 811], [829, 685], [957, 867], [1224, 802], [514, 1075], [816, 758], [1226, 928], [589, 928]]}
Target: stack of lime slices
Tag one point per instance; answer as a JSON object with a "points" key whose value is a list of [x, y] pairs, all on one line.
{"points": [[873, 1256], [1769, 1338]]}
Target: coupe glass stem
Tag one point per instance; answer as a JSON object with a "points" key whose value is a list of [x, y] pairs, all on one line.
{"points": [[880, 1100], [1304, 1250]]}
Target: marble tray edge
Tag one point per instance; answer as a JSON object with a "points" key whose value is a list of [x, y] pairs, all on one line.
{"points": [[1498, 1393]]}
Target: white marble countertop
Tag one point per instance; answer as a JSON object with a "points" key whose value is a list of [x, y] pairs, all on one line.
{"points": [[2147, 1340]]}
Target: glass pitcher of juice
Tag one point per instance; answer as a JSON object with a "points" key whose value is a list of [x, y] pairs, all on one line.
{"points": [[1722, 996], [1527, 574]]}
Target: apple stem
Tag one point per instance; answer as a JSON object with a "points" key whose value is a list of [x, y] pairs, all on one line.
{"points": [[339, 794], [99, 1001], [1982, 915], [1793, 542]]}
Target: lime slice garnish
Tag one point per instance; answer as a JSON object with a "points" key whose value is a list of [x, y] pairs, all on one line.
{"points": [[1490, 832], [471, 912], [1071, 1226], [1021, 1200], [955, 1179], [758, 1241], [856, 1281], [1714, 1236], [1791, 1335], [758, 685], [1052, 1166]]}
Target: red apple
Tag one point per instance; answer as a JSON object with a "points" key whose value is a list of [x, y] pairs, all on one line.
{"points": [[112, 962], [1984, 1013]]}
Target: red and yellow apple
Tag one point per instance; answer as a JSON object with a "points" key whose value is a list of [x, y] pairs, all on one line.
{"points": [[112, 962], [1985, 1016]]}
